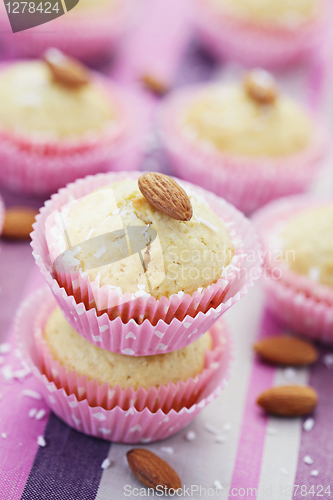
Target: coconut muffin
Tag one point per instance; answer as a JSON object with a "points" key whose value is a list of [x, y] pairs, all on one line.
{"points": [[308, 244], [59, 121], [89, 31], [164, 257], [267, 34], [34, 105], [296, 237], [76, 353], [247, 141], [229, 119]]}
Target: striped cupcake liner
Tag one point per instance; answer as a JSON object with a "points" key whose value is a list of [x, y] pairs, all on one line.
{"points": [[296, 301], [116, 424]]}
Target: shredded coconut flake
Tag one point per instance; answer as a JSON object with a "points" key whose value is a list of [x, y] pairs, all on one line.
{"points": [[206, 223], [168, 449], [100, 252], [327, 359], [7, 373], [105, 464], [218, 485], [5, 348], [41, 441], [40, 414], [190, 436], [308, 424], [213, 430], [32, 412], [31, 394], [91, 232]]}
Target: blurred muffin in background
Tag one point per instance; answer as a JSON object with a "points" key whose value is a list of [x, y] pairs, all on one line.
{"points": [[90, 31], [265, 33], [308, 244], [296, 235], [58, 122], [247, 142]]}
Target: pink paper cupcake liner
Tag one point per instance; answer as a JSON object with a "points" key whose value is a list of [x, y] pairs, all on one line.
{"points": [[85, 37], [246, 183], [162, 325], [34, 166], [2, 214], [296, 301], [172, 396], [116, 424], [234, 39]]}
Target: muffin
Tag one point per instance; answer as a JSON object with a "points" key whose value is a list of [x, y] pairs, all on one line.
{"points": [[266, 33], [58, 121], [118, 415], [90, 31], [161, 381], [298, 247], [184, 256], [259, 143], [134, 280]]}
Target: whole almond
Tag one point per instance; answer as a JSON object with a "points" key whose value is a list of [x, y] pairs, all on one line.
{"points": [[164, 194], [66, 70], [18, 222], [260, 86], [286, 351], [288, 400], [154, 84], [151, 470]]}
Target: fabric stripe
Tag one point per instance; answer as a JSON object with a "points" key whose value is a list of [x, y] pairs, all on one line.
{"points": [[318, 443], [69, 466], [214, 461], [19, 447], [253, 432], [167, 24], [279, 463]]}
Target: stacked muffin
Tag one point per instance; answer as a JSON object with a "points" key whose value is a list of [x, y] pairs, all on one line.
{"points": [[259, 143], [58, 122], [141, 270]]}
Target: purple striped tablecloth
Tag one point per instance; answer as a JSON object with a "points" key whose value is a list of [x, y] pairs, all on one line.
{"points": [[236, 447]]}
